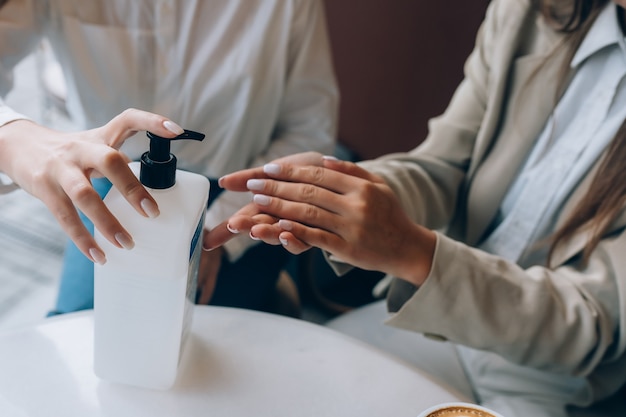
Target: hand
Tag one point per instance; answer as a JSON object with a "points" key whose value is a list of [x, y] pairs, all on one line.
{"points": [[250, 215], [345, 210], [210, 263], [56, 168]]}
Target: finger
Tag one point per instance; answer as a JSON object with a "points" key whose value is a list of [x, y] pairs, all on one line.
{"points": [[130, 121], [231, 228], [66, 215], [350, 168], [268, 233], [80, 191], [297, 237], [292, 243], [329, 179], [304, 213], [237, 180], [243, 224], [226, 230], [297, 192], [303, 158], [112, 164], [217, 236]]}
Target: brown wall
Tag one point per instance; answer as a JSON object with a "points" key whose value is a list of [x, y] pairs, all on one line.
{"points": [[397, 63]]}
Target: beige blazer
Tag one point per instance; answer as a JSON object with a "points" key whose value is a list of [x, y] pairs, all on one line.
{"points": [[566, 319]]}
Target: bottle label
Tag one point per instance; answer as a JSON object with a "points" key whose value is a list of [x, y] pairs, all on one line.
{"points": [[195, 252]]}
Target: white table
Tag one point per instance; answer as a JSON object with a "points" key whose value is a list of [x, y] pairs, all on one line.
{"points": [[236, 363]]}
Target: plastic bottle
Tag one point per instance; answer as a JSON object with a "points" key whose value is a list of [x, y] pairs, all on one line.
{"points": [[143, 299]]}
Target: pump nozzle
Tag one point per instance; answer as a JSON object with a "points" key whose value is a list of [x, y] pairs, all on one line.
{"points": [[158, 165]]}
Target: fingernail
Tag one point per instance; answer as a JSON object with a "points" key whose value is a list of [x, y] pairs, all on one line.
{"points": [[261, 199], [207, 249], [173, 127], [232, 229], [330, 158], [150, 208], [256, 185], [283, 241], [285, 224], [271, 169], [253, 237], [98, 256], [219, 182], [125, 240]]}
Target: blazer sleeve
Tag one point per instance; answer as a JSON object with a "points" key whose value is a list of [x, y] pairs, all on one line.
{"points": [[567, 319]]}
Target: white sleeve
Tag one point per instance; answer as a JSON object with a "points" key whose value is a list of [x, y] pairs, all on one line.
{"points": [[8, 115], [308, 113], [21, 28]]}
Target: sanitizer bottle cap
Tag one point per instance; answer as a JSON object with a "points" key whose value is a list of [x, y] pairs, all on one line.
{"points": [[158, 165]]}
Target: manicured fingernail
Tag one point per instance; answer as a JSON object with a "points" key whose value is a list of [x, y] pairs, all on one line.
{"points": [[283, 241], [98, 256], [173, 127], [150, 208], [271, 169], [285, 224], [125, 240], [330, 158], [232, 229], [256, 185], [253, 237], [261, 199]]}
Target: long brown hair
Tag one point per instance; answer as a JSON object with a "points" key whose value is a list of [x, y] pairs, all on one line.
{"points": [[607, 193]]}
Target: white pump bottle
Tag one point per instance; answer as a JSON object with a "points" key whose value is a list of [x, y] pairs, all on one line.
{"points": [[143, 298]]}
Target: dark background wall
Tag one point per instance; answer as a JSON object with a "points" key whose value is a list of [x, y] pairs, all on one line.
{"points": [[397, 63]]}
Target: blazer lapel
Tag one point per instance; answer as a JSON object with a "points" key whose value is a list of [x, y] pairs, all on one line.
{"points": [[532, 93]]}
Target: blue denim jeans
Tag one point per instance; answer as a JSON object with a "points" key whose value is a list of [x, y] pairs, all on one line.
{"points": [[247, 283]]}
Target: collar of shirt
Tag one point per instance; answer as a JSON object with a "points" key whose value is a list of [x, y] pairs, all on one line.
{"points": [[605, 31]]}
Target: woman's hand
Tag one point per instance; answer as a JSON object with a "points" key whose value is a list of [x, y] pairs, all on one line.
{"points": [[343, 209], [56, 167], [249, 215]]}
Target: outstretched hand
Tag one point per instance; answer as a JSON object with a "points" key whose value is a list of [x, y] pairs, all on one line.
{"points": [[250, 215], [56, 167], [338, 207]]}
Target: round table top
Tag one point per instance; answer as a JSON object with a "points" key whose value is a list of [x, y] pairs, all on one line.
{"points": [[236, 363]]}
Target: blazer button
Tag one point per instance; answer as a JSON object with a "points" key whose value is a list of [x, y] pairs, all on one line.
{"points": [[437, 337]]}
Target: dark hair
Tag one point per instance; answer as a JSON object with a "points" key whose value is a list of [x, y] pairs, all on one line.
{"points": [[607, 193]]}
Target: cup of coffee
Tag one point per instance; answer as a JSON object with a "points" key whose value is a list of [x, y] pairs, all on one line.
{"points": [[458, 409]]}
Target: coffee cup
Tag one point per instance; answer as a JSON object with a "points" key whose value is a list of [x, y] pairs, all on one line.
{"points": [[458, 409]]}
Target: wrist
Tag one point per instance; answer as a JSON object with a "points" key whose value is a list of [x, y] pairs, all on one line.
{"points": [[11, 133], [418, 259]]}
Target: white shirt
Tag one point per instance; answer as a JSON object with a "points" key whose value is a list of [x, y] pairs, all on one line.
{"points": [[583, 124], [254, 75]]}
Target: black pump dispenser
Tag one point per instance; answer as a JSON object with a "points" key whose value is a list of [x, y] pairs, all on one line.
{"points": [[158, 165]]}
